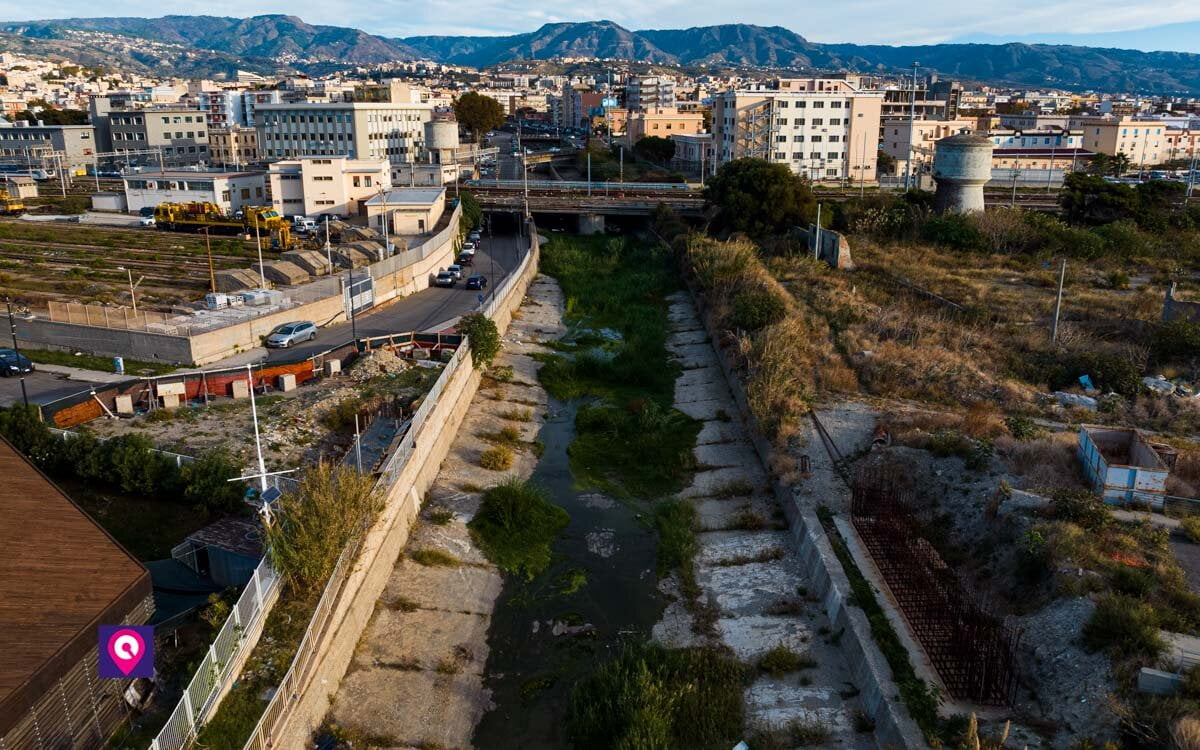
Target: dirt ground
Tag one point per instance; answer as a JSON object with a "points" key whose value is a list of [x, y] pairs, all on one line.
{"points": [[295, 427], [417, 679]]}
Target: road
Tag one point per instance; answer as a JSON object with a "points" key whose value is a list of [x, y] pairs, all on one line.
{"points": [[421, 311], [42, 387]]}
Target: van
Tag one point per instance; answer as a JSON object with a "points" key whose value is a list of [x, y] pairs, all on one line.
{"points": [[304, 224]]}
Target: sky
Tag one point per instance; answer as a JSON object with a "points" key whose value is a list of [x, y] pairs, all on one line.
{"points": [[858, 21]]}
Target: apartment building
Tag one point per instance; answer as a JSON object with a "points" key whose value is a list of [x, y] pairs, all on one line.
{"points": [[662, 122], [338, 185], [357, 130], [693, 152], [223, 108], [649, 92], [47, 146], [180, 133], [922, 135], [1182, 144], [824, 129], [233, 145], [1142, 141]]}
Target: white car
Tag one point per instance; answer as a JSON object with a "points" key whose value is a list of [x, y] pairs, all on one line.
{"points": [[147, 221], [455, 271]]}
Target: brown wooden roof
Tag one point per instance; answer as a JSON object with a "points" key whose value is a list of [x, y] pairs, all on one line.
{"points": [[61, 576]]}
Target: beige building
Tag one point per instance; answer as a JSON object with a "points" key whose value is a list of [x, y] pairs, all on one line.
{"points": [[233, 146], [824, 129], [662, 122], [357, 130], [180, 133], [409, 210], [1182, 144], [923, 135], [1143, 142], [313, 185]]}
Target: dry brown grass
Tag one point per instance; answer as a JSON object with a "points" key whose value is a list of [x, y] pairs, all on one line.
{"points": [[1047, 463], [1185, 735]]}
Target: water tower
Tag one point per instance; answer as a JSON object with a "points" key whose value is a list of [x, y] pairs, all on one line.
{"points": [[962, 165], [441, 139]]}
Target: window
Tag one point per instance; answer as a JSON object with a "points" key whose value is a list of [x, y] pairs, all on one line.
{"points": [[323, 178], [834, 138], [324, 203], [781, 139], [835, 155], [798, 139], [818, 105], [817, 138], [818, 121], [783, 103], [245, 194], [831, 173], [835, 105], [835, 121], [357, 181], [801, 104], [780, 156]]}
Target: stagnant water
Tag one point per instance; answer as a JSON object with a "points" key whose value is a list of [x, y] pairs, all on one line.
{"points": [[531, 670]]}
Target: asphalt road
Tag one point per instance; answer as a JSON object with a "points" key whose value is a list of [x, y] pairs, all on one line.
{"points": [[42, 387], [423, 310]]}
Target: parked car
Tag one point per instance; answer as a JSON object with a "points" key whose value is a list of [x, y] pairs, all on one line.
{"points": [[455, 271], [146, 211], [290, 334], [464, 259], [476, 282], [12, 363], [445, 278], [147, 221], [474, 235], [304, 224], [468, 247]]}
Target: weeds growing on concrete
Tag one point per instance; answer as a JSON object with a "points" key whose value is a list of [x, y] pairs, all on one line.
{"points": [[515, 525], [781, 660], [766, 555], [441, 516], [499, 458], [434, 558], [517, 415]]}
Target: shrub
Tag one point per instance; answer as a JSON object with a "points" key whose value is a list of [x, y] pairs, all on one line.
{"points": [[781, 660], [1191, 528], [757, 308], [332, 508], [1021, 428], [1178, 339], [134, 466], [1082, 507], [484, 338], [955, 231], [434, 558], [1122, 626], [1117, 280], [499, 458], [341, 416], [205, 483], [515, 525]]}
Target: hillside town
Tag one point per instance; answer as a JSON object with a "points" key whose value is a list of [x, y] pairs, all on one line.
{"points": [[590, 402]]}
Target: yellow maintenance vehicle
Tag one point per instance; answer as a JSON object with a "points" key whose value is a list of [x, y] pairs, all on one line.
{"points": [[11, 205], [263, 221]]}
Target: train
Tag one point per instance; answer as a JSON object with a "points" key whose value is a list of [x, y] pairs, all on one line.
{"points": [[199, 216]]}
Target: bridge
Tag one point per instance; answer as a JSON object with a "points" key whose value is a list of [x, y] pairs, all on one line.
{"points": [[590, 201]]}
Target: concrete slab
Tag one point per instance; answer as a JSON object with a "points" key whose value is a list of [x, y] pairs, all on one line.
{"points": [[752, 588], [726, 455], [461, 589], [752, 636], [691, 356], [772, 703], [722, 481], [710, 390], [723, 546], [713, 408], [409, 708], [720, 431]]}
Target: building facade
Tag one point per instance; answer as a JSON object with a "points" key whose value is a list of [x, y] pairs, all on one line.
{"points": [[180, 134], [47, 146], [229, 191], [314, 185], [233, 145], [661, 122], [356, 130], [649, 92], [409, 210], [1142, 142], [823, 129]]}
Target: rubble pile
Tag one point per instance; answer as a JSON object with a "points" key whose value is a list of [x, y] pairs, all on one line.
{"points": [[376, 364]]}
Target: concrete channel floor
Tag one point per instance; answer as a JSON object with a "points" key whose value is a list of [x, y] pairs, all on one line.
{"points": [[416, 680], [751, 574]]}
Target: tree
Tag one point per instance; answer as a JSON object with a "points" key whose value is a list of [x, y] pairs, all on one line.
{"points": [[472, 213], [478, 113], [886, 163], [655, 149], [1088, 199], [1101, 164], [760, 198], [51, 116], [485, 339]]}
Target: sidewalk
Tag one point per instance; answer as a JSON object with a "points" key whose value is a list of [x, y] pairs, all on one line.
{"points": [[78, 373]]}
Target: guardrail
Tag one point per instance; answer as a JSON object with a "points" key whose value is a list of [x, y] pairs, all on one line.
{"points": [[673, 187], [292, 685], [221, 665]]}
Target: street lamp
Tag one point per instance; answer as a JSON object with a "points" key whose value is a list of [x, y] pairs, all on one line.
{"points": [[12, 327]]}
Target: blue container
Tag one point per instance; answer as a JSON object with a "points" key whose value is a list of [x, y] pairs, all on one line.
{"points": [[119, 365]]}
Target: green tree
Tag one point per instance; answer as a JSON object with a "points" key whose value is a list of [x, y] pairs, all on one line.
{"points": [[1088, 199], [655, 149], [478, 114], [50, 115], [485, 339], [885, 162], [1100, 165], [760, 198], [472, 212], [206, 483]]}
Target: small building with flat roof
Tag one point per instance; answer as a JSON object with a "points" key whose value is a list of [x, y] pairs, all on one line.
{"points": [[61, 577], [231, 191], [409, 210]]}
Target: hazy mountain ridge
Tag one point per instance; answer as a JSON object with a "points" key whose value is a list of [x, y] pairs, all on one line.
{"points": [[289, 40]]}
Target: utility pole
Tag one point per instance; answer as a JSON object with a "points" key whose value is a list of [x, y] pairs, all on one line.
{"points": [[862, 167], [350, 287], [589, 173], [1012, 203], [212, 276], [262, 271], [12, 327], [1062, 273], [133, 289], [817, 236], [912, 119], [328, 248], [1191, 178], [621, 162]]}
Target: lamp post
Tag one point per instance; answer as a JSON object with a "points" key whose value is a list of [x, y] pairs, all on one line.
{"points": [[912, 118], [12, 327]]}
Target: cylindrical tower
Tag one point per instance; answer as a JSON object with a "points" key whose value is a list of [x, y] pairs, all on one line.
{"points": [[962, 165], [441, 134]]}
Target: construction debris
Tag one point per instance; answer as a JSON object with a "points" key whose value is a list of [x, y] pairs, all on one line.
{"points": [[377, 363]]}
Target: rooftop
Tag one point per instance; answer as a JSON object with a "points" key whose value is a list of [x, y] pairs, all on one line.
{"points": [[408, 197], [61, 576], [240, 535], [188, 174]]}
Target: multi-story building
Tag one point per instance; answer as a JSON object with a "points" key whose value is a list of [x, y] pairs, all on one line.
{"points": [[693, 152], [179, 133], [649, 92], [662, 122], [357, 130], [916, 138], [825, 129], [47, 146], [314, 185], [1182, 144], [1142, 141], [235, 145], [230, 191], [223, 108]]}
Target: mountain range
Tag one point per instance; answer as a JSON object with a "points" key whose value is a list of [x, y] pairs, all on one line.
{"points": [[283, 41]]}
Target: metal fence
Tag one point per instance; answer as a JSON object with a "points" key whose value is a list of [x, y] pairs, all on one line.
{"points": [[217, 671], [293, 683]]}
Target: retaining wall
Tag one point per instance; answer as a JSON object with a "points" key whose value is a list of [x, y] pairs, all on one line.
{"points": [[872, 675], [386, 540]]}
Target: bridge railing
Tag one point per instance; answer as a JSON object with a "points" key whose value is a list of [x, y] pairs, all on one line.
{"points": [[567, 185]]}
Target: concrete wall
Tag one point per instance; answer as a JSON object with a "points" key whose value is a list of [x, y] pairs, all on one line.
{"points": [[880, 696], [39, 333], [387, 538], [220, 343]]}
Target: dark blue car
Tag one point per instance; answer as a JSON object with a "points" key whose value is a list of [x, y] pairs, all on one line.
{"points": [[12, 363], [476, 282]]}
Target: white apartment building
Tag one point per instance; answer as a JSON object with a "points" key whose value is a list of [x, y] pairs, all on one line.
{"points": [[649, 92], [313, 185], [824, 129], [231, 191], [357, 130]]}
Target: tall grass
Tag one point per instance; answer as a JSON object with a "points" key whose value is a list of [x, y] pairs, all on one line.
{"points": [[653, 698], [515, 525], [332, 508]]}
